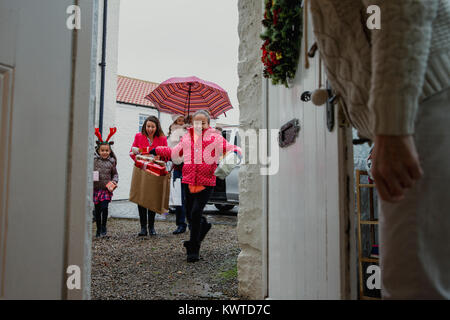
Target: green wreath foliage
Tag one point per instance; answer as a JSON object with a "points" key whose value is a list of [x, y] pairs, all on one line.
{"points": [[283, 22]]}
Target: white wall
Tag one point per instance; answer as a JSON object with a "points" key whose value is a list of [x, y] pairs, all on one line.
{"points": [[127, 123], [112, 47]]}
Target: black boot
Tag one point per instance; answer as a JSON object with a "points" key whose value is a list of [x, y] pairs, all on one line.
{"points": [[98, 221], [180, 229], [204, 228], [192, 251], [143, 232], [151, 223], [104, 220], [143, 221]]}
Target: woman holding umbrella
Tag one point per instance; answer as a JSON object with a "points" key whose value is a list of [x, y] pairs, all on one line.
{"points": [[199, 149]]}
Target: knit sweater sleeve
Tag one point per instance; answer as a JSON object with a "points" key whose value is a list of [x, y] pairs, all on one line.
{"points": [[400, 51]]}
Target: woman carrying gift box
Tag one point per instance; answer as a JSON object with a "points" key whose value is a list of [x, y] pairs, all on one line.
{"points": [[199, 149], [150, 137]]}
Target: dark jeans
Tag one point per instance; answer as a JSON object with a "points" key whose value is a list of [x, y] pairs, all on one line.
{"points": [[101, 214], [180, 211], [146, 215], [195, 203]]}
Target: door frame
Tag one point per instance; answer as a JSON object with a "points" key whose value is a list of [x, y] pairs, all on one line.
{"points": [[6, 103], [78, 227]]}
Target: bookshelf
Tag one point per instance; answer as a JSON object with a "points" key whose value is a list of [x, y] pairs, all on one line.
{"points": [[372, 224]]}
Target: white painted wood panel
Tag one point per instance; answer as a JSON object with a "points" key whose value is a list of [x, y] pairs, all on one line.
{"points": [[46, 210], [6, 94], [304, 229]]}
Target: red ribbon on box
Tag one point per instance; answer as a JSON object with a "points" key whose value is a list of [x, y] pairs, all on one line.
{"points": [[141, 164], [151, 167], [156, 168]]}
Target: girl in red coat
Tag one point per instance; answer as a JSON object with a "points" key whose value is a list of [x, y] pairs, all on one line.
{"points": [[199, 149], [150, 137]]}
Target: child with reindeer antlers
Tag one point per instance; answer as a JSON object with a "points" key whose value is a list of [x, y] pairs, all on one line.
{"points": [[105, 179]]}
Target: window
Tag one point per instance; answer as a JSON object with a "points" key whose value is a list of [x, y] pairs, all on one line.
{"points": [[226, 134], [142, 118], [237, 139]]}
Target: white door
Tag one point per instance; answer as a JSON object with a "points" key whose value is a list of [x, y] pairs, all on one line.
{"points": [[308, 223], [45, 100]]}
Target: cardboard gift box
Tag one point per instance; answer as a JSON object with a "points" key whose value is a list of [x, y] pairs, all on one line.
{"points": [[111, 186], [150, 191], [152, 167], [143, 157]]}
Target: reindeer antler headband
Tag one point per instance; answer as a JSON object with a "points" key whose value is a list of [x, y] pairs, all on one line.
{"points": [[100, 141]]}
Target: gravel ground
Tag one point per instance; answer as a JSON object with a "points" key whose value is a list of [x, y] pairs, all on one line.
{"points": [[155, 268]]}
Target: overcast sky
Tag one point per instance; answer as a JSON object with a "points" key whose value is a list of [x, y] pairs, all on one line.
{"points": [[163, 39]]}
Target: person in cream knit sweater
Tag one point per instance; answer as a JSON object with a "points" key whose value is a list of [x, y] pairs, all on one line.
{"points": [[393, 84]]}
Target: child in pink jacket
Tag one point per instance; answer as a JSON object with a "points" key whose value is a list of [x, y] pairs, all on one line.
{"points": [[200, 149]]}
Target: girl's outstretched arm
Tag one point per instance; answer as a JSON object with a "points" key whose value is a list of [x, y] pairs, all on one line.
{"points": [[227, 147], [175, 154]]}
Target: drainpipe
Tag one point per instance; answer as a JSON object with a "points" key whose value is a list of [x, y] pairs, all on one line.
{"points": [[102, 64]]}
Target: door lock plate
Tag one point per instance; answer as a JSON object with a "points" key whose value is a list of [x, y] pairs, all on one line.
{"points": [[288, 133]]}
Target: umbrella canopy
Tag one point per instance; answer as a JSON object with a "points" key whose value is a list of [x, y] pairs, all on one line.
{"points": [[190, 94]]}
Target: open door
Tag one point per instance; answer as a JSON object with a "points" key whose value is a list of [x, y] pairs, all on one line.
{"points": [[46, 97], [309, 250]]}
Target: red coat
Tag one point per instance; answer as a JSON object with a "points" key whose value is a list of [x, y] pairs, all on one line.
{"points": [[199, 165], [141, 141]]}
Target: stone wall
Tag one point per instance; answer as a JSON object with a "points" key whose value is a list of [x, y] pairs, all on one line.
{"points": [[250, 216]]}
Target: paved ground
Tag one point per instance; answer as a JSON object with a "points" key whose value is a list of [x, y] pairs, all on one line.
{"points": [[125, 266]]}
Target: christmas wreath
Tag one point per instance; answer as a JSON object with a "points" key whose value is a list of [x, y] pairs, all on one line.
{"points": [[282, 39]]}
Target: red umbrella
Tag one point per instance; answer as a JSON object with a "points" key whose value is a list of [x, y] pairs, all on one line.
{"points": [[190, 94]]}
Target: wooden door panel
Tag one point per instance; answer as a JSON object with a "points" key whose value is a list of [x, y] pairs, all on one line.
{"points": [[6, 94], [35, 101], [304, 227]]}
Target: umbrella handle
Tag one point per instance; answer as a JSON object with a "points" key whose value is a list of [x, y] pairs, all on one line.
{"points": [[189, 99]]}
